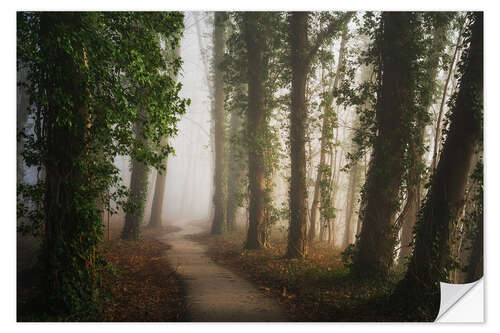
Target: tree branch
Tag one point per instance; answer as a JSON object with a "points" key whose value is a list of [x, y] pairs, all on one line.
{"points": [[326, 33]]}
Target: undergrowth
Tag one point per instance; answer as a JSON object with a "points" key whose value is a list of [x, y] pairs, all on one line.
{"points": [[317, 288]]}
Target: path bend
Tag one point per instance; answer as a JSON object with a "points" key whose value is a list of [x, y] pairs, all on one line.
{"points": [[214, 293]]}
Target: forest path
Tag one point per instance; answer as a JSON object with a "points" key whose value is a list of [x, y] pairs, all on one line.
{"points": [[213, 292]]}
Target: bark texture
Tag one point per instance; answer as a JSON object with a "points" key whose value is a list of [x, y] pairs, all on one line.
{"points": [[256, 123], [138, 193], [219, 220], [298, 115], [236, 170]]}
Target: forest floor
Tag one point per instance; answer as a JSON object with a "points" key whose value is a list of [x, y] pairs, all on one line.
{"points": [[145, 287], [140, 286], [214, 293], [317, 288]]}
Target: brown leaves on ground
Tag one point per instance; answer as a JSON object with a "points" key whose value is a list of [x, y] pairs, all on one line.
{"points": [[317, 288], [144, 286]]}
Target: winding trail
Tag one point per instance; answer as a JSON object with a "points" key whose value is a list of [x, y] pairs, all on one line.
{"points": [[215, 294]]}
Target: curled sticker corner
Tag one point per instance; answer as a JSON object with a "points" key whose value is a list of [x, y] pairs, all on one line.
{"points": [[451, 294]]}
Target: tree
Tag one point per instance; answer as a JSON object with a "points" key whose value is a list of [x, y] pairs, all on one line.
{"points": [[219, 220], [88, 73], [431, 262], [161, 177], [236, 163], [393, 114], [301, 56], [138, 192], [326, 130], [437, 137], [256, 122], [406, 220]]}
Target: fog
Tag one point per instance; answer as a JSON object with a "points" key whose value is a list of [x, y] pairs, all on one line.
{"points": [[189, 180], [189, 171]]}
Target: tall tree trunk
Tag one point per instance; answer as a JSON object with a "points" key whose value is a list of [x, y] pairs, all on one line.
{"points": [[362, 205], [408, 217], [326, 128], [218, 223], [326, 193], [255, 126], [236, 169], [298, 115], [65, 253], [445, 199], [300, 60], [377, 238], [138, 194]]}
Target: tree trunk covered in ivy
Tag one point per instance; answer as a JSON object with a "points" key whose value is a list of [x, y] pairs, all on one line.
{"points": [[256, 124], [236, 170], [68, 256], [327, 194], [138, 193], [476, 258], [298, 115], [430, 262], [464, 236], [82, 115], [302, 53], [218, 223], [362, 204], [408, 217], [376, 245], [475, 269], [326, 130]]}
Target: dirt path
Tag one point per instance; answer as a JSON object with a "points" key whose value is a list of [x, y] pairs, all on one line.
{"points": [[213, 292]]}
